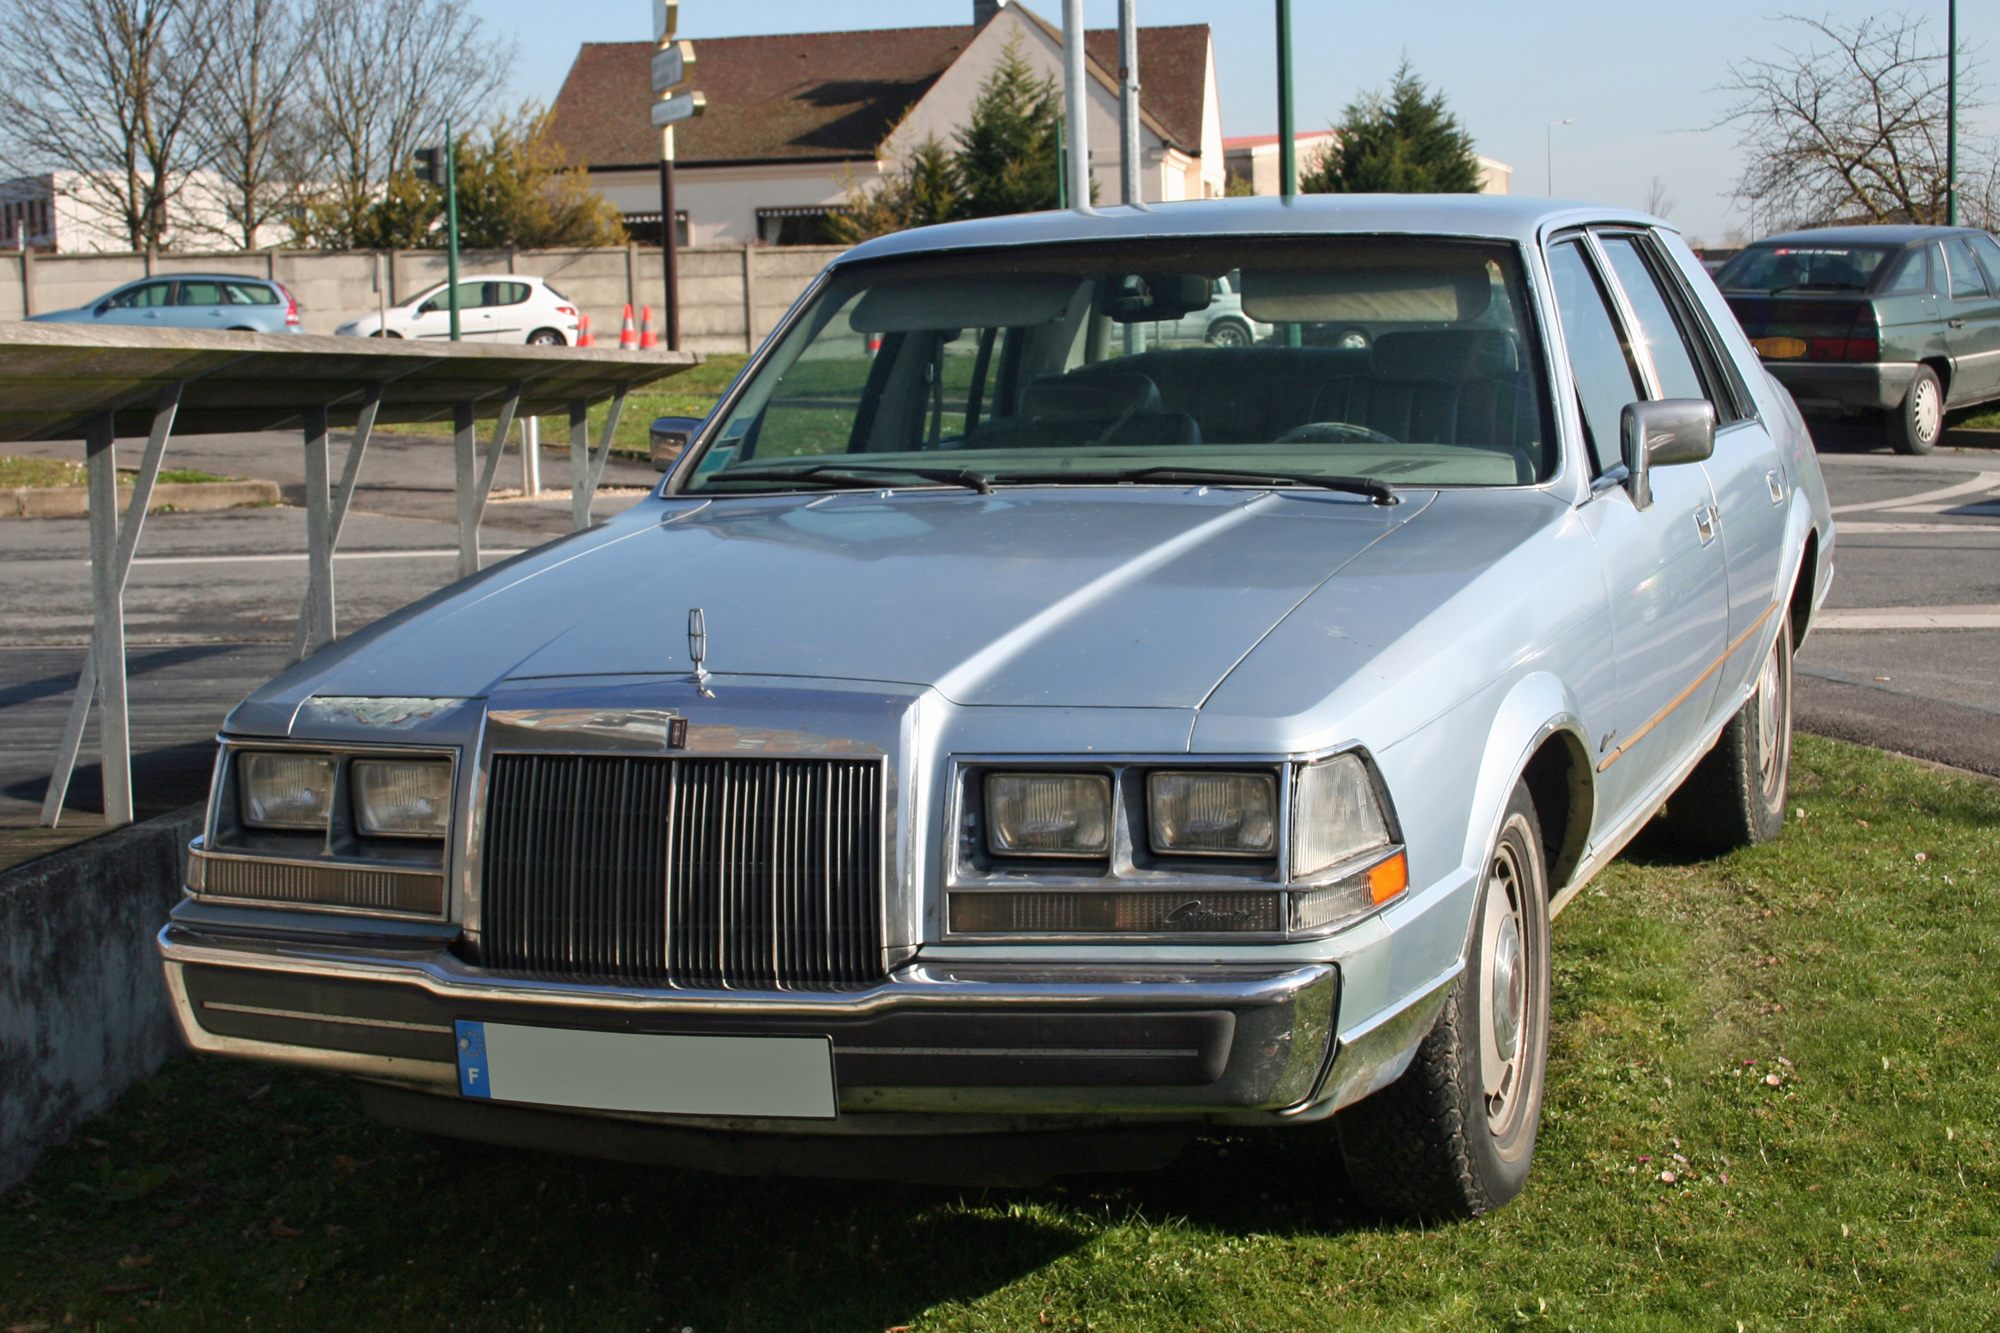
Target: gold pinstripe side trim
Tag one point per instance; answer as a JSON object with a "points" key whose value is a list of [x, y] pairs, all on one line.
{"points": [[1683, 696]]}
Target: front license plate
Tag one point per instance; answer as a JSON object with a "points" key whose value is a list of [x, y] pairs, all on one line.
{"points": [[790, 1077]]}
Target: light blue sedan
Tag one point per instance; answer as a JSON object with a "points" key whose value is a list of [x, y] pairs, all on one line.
{"points": [[223, 301], [998, 749]]}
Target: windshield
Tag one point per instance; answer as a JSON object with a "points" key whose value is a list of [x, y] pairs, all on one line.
{"points": [[1782, 268], [1408, 362]]}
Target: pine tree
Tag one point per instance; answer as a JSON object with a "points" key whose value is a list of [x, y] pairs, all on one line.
{"points": [[1007, 158], [1405, 143], [920, 192]]}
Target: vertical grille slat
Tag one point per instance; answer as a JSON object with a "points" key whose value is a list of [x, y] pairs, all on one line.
{"points": [[697, 872]]}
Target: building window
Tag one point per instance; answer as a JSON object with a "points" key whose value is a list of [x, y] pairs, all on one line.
{"points": [[810, 225], [645, 227]]}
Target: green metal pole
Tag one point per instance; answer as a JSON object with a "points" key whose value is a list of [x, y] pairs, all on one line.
{"points": [[451, 226], [1062, 165], [1288, 163], [1951, 116]]}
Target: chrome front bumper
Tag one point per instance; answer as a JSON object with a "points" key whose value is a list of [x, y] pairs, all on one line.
{"points": [[940, 1047]]}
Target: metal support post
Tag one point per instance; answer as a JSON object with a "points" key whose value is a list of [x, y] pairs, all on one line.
{"points": [[318, 615], [463, 475], [670, 240], [1128, 101], [1951, 115], [531, 457], [116, 543], [1288, 143], [586, 470], [1076, 95], [451, 225]]}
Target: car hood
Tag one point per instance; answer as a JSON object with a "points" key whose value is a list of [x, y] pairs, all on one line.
{"points": [[1145, 597]]}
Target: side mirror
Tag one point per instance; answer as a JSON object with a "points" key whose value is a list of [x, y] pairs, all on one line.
{"points": [[670, 435], [1663, 433]]}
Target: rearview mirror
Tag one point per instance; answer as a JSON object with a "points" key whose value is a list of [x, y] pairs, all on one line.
{"points": [[670, 435], [1663, 433]]}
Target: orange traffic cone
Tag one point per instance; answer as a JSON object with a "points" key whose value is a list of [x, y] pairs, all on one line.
{"points": [[627, 339], [646, 338], [583, 338]]}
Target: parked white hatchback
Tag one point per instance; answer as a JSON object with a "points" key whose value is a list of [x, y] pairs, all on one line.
{"points": [[495, 308]]}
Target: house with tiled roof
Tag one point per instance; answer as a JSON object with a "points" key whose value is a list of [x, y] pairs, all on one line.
{"points": [[793, 122]]}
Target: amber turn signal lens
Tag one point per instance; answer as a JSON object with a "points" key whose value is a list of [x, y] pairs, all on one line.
{"points": [[1780, 349], [1390, 878]]}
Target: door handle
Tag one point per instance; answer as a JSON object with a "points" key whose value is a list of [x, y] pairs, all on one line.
{"points": [[1777, 486], [1955, 323], [1705, 519]]}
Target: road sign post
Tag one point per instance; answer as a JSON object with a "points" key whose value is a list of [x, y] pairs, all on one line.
{"points": [[673, 65], [439, 166]]}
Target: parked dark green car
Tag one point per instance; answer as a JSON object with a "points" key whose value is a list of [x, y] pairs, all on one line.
{"points": [[1903, 322]]}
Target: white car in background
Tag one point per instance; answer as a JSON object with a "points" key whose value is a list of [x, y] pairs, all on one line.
{"points": [[493, 308]]}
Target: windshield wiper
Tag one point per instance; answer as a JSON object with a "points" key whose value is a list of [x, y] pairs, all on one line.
{"points": [[1378, 491], [855, 474]]}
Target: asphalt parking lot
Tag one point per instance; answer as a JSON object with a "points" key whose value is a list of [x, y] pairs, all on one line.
{"points": [[1903, 659]]}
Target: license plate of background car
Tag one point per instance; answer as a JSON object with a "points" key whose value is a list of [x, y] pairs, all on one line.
{"points": [[788, 1077]]}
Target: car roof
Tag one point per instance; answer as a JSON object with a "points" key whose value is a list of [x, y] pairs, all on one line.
{"points": [[1883, 234], [1498, 217], [200, 277]]}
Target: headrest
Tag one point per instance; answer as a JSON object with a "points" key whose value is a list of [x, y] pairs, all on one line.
{"points": [[1096, 397], [1443, 354]]}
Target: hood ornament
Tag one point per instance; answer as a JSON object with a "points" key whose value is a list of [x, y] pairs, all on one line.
{"points": [[698, 651]]}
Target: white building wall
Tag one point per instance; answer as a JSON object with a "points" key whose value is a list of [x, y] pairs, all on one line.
{"points": [[721, 203]]}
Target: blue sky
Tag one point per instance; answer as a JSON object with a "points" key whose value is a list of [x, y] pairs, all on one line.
{"points": [[1638, 79]]}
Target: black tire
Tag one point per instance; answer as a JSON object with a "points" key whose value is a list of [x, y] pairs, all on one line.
{"points": [[1455, 1135], [389, 334], [1228, 333], [546, 338], [1915, 424], [1736, 796]]}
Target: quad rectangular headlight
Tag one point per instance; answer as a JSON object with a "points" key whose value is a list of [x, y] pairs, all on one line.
{"points": [[396, 798], [284, 791], [1048, 814], [1335, 815], [1214, 813]]}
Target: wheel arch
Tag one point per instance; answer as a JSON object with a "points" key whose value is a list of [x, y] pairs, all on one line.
{"points": [[1942, 365], [1538, 736]]}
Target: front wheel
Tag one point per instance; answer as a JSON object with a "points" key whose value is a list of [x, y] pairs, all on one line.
{"points": [[545, 338], [1455, 1135], [1736, 796], [1915, 425], [1228, 333]]}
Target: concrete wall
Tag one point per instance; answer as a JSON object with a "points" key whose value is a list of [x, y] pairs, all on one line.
{"points": [[719, 285], [83, 1008]]}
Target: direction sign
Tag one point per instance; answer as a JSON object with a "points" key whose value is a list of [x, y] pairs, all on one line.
{"points": [[674, 64], [666, 18], [684, 107]]}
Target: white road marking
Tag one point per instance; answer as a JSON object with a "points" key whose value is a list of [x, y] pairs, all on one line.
{"points": [[1985, 481], [1977, 509], [1909, 617], [300, 557]]}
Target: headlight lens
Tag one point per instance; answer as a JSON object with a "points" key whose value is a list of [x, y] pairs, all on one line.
{"points": [[402, 799], [1048, 814], [1218, 814], [1335, 815], [285, 790]]}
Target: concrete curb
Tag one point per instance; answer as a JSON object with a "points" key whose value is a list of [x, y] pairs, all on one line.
{"points": [[84, 1011], [182, 496]]}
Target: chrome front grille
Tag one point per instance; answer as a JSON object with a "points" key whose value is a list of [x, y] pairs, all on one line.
{"points": [[684, 871]]}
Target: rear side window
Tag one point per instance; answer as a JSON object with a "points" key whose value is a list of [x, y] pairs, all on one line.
{"points": [[1913, 273], [200, 293], [1606, 377], [512, 293], [1989, 255], [249, 293], [1967, 282]]}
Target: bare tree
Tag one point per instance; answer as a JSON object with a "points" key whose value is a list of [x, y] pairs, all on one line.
{"points": [[1848, 128], [384, 76], [1658, 202], [107, 90], [255, 134]]}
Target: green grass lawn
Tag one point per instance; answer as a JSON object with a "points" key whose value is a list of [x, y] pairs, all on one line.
{"points": [[692, 393], [1772, 1105], [39, 472]]}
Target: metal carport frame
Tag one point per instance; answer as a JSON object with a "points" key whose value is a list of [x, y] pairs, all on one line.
{"points": [[65, 381]]}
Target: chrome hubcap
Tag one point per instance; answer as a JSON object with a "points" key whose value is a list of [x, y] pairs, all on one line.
{"points": [[1502, 988], [1507, 990], [1770, 716]]}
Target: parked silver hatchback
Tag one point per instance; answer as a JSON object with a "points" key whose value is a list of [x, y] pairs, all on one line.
{"points": [[1002, 747]]}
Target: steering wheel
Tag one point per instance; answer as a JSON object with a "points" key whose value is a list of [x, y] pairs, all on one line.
{"points": [[1334, 432]]}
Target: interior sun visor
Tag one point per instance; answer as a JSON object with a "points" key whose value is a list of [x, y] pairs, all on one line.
{"points": [[995, 302], [1399, 286]]}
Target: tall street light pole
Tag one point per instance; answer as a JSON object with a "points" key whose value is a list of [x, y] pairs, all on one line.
{"points": [[451, 225], [1550, 134], [1288, 160], [1128, 101], [1951, 114], [1077, 106]]}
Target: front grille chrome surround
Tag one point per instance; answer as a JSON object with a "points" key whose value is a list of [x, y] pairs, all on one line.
{"points": [[684, 871]]}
